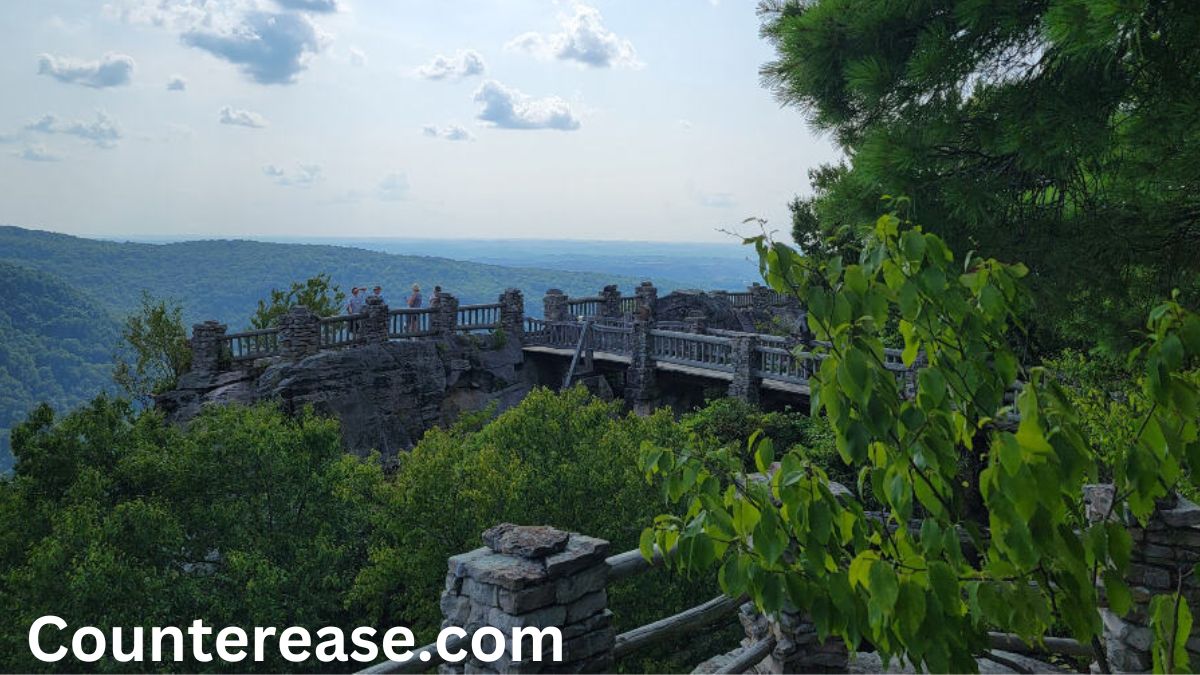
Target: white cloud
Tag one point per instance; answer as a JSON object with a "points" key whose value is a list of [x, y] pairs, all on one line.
{"points": [[304, 176], [686, 124], [583, 39], [393, 187], [241, 118], [103, 132], [461, 65], [450, 132], [37, 153], [315, 6], [113, 70], [357, 57], [269, 48], [176, 83], [510, 109]]}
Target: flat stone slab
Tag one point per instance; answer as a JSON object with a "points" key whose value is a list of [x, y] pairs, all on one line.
{"points": [[526, 541]]}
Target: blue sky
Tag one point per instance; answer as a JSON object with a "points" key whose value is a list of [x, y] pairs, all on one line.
{"points": [[499, 119]]}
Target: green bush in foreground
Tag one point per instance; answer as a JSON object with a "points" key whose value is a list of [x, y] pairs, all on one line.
{"points": [[246, 518]]}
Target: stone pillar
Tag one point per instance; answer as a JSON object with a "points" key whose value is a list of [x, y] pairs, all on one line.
{"points": [[554, 305], [512, 313], [374, 329], [797, 647], [206, 346], [720, 295], [539, 577], [640, 385], [745, 384], [647, 296], [444, 319], [760, 297], [1169, 546], [696, 322], [610, 302], [299, 333]]}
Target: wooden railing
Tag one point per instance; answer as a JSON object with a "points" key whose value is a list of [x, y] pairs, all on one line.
{"points": [[410, 322], [708, 352], [620, 566], [612, 339], [584, 307], [250, 345], [629, 306], [742, 299], [339, 331], [478, 318]]}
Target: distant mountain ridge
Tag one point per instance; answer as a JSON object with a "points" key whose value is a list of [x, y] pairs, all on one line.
{"points": [[224, 279]]}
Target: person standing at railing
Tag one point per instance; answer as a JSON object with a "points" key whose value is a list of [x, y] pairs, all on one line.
{"points": [[356, 301], [414, 302], [378, 292]]}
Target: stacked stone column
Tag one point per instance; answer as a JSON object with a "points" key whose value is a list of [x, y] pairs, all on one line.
{"points": [[745, 383], [798, 649], [647, 296], [640, 384], [444, 319], [299, 333], [206, 346], [760, 297], [533, 577], [374, 327], [610, 302], [554, 305], [1166, 548], [512, 313]]}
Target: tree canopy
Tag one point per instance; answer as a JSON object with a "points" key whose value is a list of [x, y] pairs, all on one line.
{"points": [[1061, 133]]}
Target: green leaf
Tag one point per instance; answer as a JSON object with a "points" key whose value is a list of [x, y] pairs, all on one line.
{"points": [[1117, 592]]}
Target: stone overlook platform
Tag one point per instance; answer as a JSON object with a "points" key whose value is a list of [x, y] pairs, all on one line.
{"points": [[646, 349]]}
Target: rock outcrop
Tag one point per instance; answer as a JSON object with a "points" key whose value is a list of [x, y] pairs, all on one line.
{"points": [[385, 395]]}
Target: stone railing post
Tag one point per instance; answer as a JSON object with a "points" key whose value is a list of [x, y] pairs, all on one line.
{"points": [[374, 330], [760, 297], [444, 319], [299, 333], [610, 302], [723, 296], [533, 577], [640, 378], [512, 314], [1163, 551], [647, 296], [554, 305], [745, 383], [797, 647], [206, 346]]}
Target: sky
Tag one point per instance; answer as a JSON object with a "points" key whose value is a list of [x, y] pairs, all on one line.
{"points": [[630, 119]]}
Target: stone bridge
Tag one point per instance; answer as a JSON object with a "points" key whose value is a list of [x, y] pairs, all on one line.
{"points": [[676, 350]]}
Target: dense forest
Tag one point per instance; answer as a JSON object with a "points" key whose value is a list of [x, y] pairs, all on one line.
{"points": [[56, 346]]}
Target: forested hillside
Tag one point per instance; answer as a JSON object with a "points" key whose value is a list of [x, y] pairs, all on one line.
{"points": [[225, 279], [56, 346]]}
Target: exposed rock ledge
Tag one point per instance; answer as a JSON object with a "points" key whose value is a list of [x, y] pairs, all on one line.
{"points": [[386, 396]]}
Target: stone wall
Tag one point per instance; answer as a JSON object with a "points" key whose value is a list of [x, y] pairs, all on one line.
{"points": [[1167, 548], [533, 576]]}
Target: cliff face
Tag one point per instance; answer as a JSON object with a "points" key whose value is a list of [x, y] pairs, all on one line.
{"points": [[386, 396]]}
